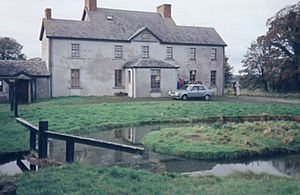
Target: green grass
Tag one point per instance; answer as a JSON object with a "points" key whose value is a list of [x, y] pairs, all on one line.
{"points": [[82, 179], [262, 93], [226, 141], [83, 115]]}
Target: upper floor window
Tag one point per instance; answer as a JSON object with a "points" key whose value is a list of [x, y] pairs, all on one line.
{"points": [[192, 53], [75, 50], [1, 86], [118, 78], [155, 79], [145, 51], [213, 76], [169, 53], [75, 78], [213, 54], [118, 51]]}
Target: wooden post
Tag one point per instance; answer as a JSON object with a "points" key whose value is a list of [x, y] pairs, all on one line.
{"points": [[70, 150], [32, 140], [11, 96], [43, 127], [16, 99]]}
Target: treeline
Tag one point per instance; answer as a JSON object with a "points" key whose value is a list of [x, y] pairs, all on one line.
{"points": [[272, 61]]}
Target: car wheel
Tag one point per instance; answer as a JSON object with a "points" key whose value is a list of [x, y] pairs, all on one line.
{"points": [[184, 97], [206, 97]]}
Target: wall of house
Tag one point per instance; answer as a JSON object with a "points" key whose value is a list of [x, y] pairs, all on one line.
{"points": [[143, 82], [42, 88], [4, 94], [97, 64]]}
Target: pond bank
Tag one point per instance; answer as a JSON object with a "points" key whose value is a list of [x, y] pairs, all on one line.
{"points": [[227, 140]]}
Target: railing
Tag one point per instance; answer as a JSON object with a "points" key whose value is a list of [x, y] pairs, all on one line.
{"points": [[44, 134]]}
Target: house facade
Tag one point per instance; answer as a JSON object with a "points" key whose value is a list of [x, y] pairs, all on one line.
{"points": [[142, 54]]}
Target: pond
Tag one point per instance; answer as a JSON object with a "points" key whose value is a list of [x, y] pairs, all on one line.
{"points": [[283, 165]]}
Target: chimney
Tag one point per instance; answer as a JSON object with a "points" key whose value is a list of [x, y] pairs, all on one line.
{"points": [[91, 5], [48, 13], [164, 10]]}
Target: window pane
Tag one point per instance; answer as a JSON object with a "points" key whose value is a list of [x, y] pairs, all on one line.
{"points": [[155, 79], [1, 86], [118, 78], [75, 78], [192, 53], [118, 51], [75, 50], [213, 54], [145, 52], [193, 75], [213, 76], [169, 53]]}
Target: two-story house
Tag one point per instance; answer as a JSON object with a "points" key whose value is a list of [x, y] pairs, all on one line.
{"points": [[142, 54]]}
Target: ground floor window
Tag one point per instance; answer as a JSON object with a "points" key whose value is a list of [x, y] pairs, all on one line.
{"points": [[1, 86], [118, 78], [193, 75], [155, 79], [213, 75], [75, 78]]}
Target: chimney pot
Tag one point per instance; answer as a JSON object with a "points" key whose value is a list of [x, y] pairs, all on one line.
{"points": [[164, 10], [91, 5], [48, 13]]}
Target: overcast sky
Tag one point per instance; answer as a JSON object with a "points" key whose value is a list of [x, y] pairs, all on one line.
{"points": [[239, 22]]}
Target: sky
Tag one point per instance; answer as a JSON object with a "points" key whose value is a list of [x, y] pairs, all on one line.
{"points": [[239, 22]]}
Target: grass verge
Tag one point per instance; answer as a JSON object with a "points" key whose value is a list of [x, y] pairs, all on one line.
{"points": [[84, 115], [227, 141], [82, 179]]}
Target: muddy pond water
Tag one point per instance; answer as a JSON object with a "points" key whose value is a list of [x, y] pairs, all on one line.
{"points": [[280, 165]]}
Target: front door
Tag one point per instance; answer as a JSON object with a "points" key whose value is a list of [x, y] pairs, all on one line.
{"points": [[22, 91]]}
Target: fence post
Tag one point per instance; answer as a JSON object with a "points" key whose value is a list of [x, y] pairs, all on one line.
{"points": [[70, 150], [32, 140], [43, 127]]}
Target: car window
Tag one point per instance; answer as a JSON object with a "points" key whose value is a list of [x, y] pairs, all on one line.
{"points": [[202, 88], [184, 87], [195, 88]]}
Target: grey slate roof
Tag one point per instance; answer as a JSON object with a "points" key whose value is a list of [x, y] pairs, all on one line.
{"points": [[125, 24], [10, 68], [148, 63]]}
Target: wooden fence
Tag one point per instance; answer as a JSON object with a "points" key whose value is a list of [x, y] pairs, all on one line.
{"points": [[43, 134]]}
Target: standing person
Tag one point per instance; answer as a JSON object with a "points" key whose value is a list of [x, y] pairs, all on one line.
{"points": [[234, 88], [237, 88]]}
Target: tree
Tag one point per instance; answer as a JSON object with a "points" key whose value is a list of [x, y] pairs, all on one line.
{"points": [[283, 38], [273, 60], [10, 49], [228, 72], [254, 74]]}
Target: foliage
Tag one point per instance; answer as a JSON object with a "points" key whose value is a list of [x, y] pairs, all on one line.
{"points": [[226, 141], [273, 60], [10, 49], [228, 73], [83, 115], [83, 179]]}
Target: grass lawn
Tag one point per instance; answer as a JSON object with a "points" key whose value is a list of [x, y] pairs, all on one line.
{"points": [[82, 179], [83, 115], [226, 141]]}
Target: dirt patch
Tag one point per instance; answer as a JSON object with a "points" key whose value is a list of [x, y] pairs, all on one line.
{"points": [[195, 138]]}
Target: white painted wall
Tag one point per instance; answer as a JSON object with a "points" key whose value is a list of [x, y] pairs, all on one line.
{"points": [[97, 64]]}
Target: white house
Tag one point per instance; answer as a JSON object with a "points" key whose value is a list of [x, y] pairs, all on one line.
{"points": [[139, 53]]}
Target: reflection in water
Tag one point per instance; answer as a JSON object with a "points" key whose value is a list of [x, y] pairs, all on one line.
{"points": [[281, 166], [288, 165]]}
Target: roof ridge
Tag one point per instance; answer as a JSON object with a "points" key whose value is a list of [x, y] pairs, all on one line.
{"points": [[124, 10]]}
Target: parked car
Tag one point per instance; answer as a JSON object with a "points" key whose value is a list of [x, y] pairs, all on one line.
{"points": [[190, 91]]}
